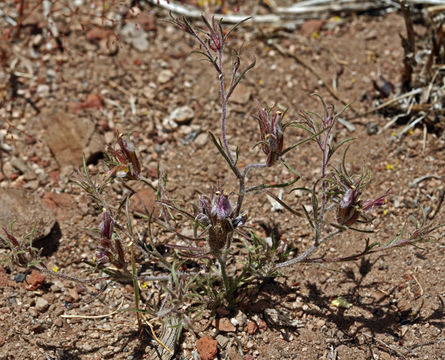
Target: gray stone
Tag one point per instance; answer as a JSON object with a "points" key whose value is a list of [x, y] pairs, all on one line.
{"points": [[165, 76], [41, 304], [20, 165], [222, 340], [372, 128], [201, 139], [182, 114], [135, 36]]}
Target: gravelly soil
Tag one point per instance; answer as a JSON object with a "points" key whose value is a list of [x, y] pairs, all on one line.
{"points": [[397, 297]]}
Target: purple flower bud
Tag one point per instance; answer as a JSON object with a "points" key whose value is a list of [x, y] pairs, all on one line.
{"points": [[204, 214], [347, 212], [369, 204], [129, 165], [271, 131], [103, 256], [106, 225], [349, 198], [328, 118], [221, 205]]}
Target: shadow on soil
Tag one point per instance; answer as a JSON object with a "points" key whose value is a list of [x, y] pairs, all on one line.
{"points": [[386, 317]]}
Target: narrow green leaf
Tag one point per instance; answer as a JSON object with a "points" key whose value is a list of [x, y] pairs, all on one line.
{"points": [[335, 148], [271, 186], [240, 77], [223, 153], [283, 204], [303, 141], [235, 26], [308, 217]]}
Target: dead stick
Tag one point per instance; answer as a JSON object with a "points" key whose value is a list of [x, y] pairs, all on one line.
{"points": [[393, 100], [391, 348], [409, 46]]}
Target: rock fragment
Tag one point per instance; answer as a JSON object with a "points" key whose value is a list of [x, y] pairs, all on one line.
{"points": [[27, 212], [69, 137], [41, 305], [207, 348], [135, 36]]}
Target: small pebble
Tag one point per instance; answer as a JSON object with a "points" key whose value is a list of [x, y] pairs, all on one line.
{"points": [[20, 277], [371, 128], [41, 304]]}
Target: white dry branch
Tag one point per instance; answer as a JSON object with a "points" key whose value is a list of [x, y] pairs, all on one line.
{"points": [[300, 10]]}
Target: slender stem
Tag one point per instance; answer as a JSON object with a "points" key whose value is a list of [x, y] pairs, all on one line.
{"points": [[135, 285], [298, 259], [226, 279], [20, 18], [223, 108], [242, 185], [324, 163], [251, 166]]}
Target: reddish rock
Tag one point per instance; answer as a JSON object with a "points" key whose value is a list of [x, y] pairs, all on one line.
{"points": [[34, 281], [35, 159], [146, 20], [69, 137], [143, 201], [311, 26], [262, 324], [54, 176], [60, 204], [249, 357], [207, 348], [92, 101], [223, 324], [28, 213], [252, 327], [54, 200], [98, 33]]}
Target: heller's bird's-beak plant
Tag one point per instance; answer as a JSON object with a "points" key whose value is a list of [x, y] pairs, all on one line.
{"points": [[219, 219]]}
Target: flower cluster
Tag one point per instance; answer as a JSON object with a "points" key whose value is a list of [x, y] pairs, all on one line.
{"points": [[124, 161], [216, 214], [110, 250], [21, 255], [271, 131], [351, 207]]}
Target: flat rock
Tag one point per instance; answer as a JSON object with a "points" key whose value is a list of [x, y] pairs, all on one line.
{"points": [[143, 201], [69, 137], [241, 95], [60, 204], [180, 115], [27, 210], [223, 324]]}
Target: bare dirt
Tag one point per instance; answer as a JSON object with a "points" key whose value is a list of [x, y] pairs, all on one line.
{"points": [[397, 297]]}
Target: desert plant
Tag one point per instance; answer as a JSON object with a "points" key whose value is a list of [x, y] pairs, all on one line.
{"points": [[219, 218]]}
